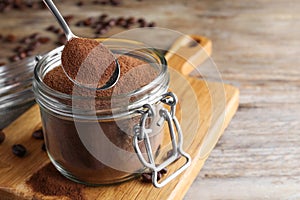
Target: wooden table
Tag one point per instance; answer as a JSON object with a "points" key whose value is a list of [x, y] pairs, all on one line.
{"points": [[256, 47]]}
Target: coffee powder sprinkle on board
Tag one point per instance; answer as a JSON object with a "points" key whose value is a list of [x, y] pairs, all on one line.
{"points": [[48, 181]]}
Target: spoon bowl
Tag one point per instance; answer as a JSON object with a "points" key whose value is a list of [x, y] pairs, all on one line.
{"points": [[69, 35]]}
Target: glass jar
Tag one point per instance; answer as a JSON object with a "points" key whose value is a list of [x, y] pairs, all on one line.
{"points": [[16, 94], [99, 140]]}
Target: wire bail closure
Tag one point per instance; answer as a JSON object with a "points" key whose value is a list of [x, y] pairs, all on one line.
{"points": [[141, 133]]}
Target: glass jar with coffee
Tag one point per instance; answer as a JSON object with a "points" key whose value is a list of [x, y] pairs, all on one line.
{"points": [[108, 136]]}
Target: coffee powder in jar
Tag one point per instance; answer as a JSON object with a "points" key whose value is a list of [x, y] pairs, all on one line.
{"points": [[89, 133]]}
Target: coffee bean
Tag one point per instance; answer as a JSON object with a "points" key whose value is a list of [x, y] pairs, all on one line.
{"points": [[121, 21], [44, 147], [43, 40], [51, 28], [159, 175], [79, 23], [147, 177], [2, 135], [34, 36], [152, 24], [143, 24], [62, 39], [88, 21], [111, 22], [19, 150], [101, 31], [28, 52], [96, 2], [1, 36], [131, 20], [22, 55], [10, 38], [38, 134], [79, 3], [115, 2], [141, 20], [18, 49], [29, 48], [14, 58], [2, 63], [69, 18], [25, 40], [103, 16], [127, 25], [58, 31], [163, 171]]}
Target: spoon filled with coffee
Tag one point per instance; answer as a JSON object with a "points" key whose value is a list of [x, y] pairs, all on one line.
{"points": [[86, 62]]}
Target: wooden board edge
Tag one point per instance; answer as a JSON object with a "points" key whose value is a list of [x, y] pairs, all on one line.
{"points": [[232, 105]]}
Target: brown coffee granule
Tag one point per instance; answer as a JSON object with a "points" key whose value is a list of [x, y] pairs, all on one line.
{"points": [[88, 62], [48, 181]]}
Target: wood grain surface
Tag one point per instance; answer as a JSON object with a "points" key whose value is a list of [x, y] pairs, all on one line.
{"points": [[256, 48]]}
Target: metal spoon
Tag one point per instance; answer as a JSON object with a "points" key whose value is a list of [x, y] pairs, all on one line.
{"points": [[116, 74]]}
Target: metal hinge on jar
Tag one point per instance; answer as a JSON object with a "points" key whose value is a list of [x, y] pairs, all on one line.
{"points": [[142, 134]]}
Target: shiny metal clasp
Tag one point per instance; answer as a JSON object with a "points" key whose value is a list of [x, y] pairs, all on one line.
{"points": [[141, 133]]}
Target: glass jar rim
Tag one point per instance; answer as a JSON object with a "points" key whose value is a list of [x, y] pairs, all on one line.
{"points": [[148, 93]]}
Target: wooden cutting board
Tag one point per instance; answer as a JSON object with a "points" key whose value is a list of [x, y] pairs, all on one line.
{"points": [[206, 109]]}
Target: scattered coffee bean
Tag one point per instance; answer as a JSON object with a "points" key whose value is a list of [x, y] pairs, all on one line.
{"points": [[19, 150], [61, 39], [79, 23], [38, 134], [79, 3], [147, 177], [111, 22], [34, 36], [18, 49], [7, 5], [159, 175], [88, 21], [14, 58], [25, 40], [22, 55], [69, 18], [131, 20], [43, 40], [115, 2], [10, 38], [170, 153], [102, 17], [164, 171], [2, 135], [151, 24], [58, 31], [51, 28]]}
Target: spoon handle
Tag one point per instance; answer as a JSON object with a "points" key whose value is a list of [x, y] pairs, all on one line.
{"points": [[59, 18]]}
